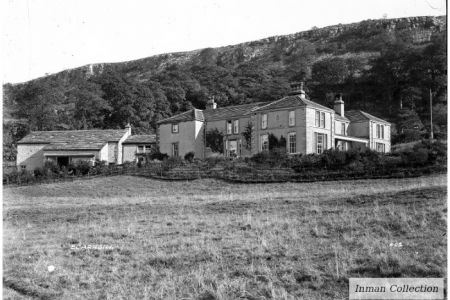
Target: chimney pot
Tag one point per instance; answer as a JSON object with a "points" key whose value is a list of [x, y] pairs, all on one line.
{"points": [[211, 104], [339, 105], [297, 89]]}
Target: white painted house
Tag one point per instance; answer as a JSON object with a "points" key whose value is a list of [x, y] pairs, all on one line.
{"points": [[307, 127]]}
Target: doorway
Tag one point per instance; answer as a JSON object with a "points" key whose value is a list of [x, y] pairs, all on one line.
{"points": [[62, 161]]}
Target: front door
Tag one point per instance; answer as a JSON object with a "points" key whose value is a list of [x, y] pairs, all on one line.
{"points": [[232, 148]]}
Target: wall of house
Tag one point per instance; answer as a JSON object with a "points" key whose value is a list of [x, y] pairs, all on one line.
{"points": [[199, 144], [129, 153], [30, 155], [120, 159], [278, 125], [113, 152], [311, 129], [185, 138], [338, 127], [103, 153], [221, 126]]}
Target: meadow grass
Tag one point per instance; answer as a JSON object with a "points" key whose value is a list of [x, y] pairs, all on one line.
{"points": [[207, 239]]}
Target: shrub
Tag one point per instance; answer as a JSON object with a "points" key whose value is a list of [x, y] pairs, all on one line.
{"points": [[82, 167], [157, 155], [189, 156], [214, 140]]}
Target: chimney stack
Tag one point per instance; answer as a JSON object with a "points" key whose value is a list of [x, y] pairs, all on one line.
{"points": [[211, 104], [339, 105], [297, 90], [128, 127]]}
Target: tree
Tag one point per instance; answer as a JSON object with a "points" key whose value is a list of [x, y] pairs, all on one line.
{"points": [[90, 108], [37, 101], [214, 140]]}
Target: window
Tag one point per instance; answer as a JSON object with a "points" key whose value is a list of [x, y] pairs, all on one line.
{"points": [[264, 121], [174, 128], [321, 142], [292, 142], [23, 167], [381, 147], [236, 126], [175, 151], [229, 127], [292, 118], [343, 129], [264, 142], [380, 131], [320, 119], [140, 149], [148, 148]]}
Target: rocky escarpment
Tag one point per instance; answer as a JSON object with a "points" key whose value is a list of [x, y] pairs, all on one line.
{"points": [[332, 40]]}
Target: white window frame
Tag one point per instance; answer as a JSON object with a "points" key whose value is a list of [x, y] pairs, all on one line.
{"points": [[236, 126], [229, 126], [292, 118], [380, 147], [380, 131], [140, 149], [177, 147], [320, 119], [264, 121], [343, 128], [292, 142], [322, 146], [264, 138], [175, 128]]}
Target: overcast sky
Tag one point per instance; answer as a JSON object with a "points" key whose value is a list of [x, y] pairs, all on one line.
{"points": [[47, 36]]}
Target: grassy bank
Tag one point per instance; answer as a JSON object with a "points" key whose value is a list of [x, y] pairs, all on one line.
{"points": [[209, 239]]}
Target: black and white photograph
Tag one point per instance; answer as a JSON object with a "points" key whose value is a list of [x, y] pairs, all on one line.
{"points": [[224, 149]]}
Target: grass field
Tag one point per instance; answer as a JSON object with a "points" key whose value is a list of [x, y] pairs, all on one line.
{"points": [[208, 239]]}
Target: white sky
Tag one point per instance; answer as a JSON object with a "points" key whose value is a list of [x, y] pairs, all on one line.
{"points": [[47, 36]]}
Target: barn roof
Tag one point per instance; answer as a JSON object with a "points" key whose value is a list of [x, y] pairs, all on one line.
{"points": [[82, 138], [141, 139]]}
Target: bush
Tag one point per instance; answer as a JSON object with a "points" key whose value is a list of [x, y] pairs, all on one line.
{"points": [[158, 156], [82, 167], [189, 156]]}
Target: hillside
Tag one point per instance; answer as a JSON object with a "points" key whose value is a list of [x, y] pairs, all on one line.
{"points": [[385, 67]]}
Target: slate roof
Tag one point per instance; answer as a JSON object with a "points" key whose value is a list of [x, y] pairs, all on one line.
{"points": [[74, 146], [341, 118], [358, 116], [291, 101], [141, 139], [228, 112], [190, 115], [74, 139]]}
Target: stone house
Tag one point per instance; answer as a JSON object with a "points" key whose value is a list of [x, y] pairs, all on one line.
{"points": [[114, 146], [306, 126]]}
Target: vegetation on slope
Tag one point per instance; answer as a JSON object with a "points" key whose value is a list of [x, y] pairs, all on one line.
{"points": [[386, 67]]}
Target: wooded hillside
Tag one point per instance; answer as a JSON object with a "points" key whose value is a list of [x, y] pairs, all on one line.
{"points": [[386, 67]]}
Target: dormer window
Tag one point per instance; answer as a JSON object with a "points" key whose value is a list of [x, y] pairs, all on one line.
{"points": [[174, 128]]}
